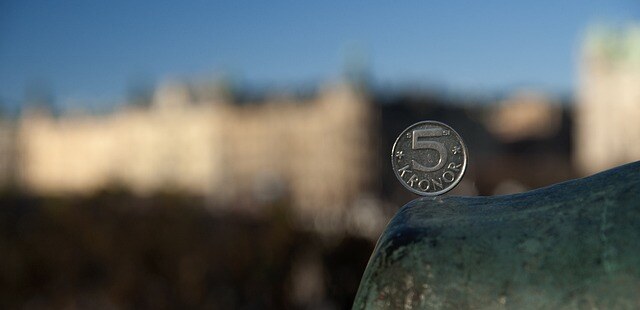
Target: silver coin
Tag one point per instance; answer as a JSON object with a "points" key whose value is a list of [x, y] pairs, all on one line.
{"points": [[429, 158]]}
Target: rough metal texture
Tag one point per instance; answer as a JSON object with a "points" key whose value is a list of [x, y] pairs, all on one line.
{"points": [[574, 245]]}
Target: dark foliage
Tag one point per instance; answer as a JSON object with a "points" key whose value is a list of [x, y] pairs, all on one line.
{"points": [[166, 252]]}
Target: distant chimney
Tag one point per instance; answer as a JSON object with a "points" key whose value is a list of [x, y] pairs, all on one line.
{"points": [[171, 96]]}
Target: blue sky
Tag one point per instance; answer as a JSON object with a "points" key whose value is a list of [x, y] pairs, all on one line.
{"points": [[92, 50]]}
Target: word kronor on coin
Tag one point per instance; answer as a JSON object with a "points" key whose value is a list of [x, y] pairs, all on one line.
{"points": [[429, 158]]}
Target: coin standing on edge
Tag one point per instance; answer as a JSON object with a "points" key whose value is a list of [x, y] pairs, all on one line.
{"points": [[429, 158]]}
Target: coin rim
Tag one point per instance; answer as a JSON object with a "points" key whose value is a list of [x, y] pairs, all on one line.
{"points": [[455, 182]]}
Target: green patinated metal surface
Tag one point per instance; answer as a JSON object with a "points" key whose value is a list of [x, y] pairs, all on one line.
{"points": [[573, 245]]}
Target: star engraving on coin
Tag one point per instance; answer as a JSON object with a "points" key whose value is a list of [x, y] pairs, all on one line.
{"points": [[430, 160]]}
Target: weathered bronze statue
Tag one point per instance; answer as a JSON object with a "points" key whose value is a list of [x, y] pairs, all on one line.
{"points": [[572, 245]]}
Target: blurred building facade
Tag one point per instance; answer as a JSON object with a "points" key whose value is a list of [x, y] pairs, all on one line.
{"points": [[525, 115], [326, 151], [316, 151], [8, 153], [608, 108]]}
